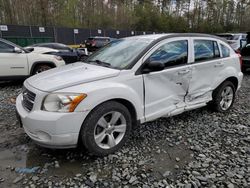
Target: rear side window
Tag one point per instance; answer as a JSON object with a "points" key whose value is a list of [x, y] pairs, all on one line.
{"points": [[6, 48], [172, 53], [225, 51], [205, 50]]}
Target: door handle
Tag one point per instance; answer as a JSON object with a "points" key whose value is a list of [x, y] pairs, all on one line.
{"points": [[184, 71], [220, 64]]}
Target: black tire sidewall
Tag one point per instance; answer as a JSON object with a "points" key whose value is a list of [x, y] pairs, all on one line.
{"points": [[38, 67], [217, 96], [88, 127]]}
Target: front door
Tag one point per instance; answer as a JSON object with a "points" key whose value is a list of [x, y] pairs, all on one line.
{"points": [[165, 90], [12, 63]]}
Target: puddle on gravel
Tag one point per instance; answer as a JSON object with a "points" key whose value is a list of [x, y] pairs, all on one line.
{"points": [[22, 156], [74, 161]]}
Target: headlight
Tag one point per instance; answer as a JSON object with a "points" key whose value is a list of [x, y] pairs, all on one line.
{"points": [[62, 102], [59, 58]]}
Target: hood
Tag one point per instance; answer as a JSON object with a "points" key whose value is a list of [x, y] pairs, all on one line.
{"points": [[42, 50], [70, 75]]}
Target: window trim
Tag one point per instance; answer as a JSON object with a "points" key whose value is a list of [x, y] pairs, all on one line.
{"points": [[220, 44], [205, 60], [167, 67], [156, 45]]}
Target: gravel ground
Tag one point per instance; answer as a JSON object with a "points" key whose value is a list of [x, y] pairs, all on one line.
{"points": [[199, 148]]}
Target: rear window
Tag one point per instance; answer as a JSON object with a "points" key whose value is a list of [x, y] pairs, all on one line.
{"points": [[205, 50], [225, 51]]}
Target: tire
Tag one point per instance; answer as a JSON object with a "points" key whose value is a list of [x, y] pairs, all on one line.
{"points": [[220, 103], [98, 132], [40, 68]]}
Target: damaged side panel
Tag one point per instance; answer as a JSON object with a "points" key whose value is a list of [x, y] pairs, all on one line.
{"points": [[204, 75], [165, 92]]}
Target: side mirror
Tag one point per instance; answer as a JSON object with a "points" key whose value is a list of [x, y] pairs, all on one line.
{"points": [[153, 66], [30, 49], [18, 50]]}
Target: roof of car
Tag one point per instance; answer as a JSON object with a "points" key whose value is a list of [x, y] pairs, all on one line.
{"points": [[50, 43], [170, 35], [231, 34], [97, 37]]}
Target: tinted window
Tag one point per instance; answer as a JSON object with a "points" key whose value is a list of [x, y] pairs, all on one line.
{"points": [[205, 50], [225, 51], [6, 48], [172, 53]]}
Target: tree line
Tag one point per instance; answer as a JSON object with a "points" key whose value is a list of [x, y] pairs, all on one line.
{"points": [[208, 16]]}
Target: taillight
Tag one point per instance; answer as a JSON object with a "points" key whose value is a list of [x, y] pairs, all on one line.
{"points": [[240, 57], [237, 51]]}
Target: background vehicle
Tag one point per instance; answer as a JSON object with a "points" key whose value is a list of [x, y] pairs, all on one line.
{"points": [[234, 39], [68, 54], [245, 53], [129, 81], [94, 43], [16, 62]]}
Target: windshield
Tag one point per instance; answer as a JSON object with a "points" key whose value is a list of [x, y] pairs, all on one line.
{"points": [[120, 53]]}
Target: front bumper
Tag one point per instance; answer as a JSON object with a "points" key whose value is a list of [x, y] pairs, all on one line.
{"points": [[50, 129]]}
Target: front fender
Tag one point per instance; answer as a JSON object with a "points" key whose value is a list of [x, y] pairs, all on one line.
{"points": [[102, 92]]}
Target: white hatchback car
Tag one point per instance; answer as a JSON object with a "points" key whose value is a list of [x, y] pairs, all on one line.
{"points": [[130, 81]]}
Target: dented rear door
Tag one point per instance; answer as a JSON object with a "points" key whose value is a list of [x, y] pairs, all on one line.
{"points": [[206, 65]]}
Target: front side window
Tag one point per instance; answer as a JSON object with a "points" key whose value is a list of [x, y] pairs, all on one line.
{"points": [[225, 50], [172, 53], [205, 50], [6, 48]]}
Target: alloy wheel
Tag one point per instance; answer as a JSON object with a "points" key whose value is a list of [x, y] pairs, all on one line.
{"points": [[110, 130]]}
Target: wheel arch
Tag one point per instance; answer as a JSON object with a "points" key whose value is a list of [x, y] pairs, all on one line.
{"points": [[52, 64], [128, 104], [234, 80]]}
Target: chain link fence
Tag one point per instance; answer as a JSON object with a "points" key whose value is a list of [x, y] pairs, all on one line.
{"points": [[27, 35]]}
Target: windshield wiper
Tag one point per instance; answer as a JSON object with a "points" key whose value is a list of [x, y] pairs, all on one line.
{"points": [[98, 62]]}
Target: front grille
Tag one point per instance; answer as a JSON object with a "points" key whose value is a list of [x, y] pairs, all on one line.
{"points": [[28, 99]]}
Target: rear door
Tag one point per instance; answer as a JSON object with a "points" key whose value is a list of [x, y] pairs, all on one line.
{"points": [[12, 63], [206, 67], [165, 90]]}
